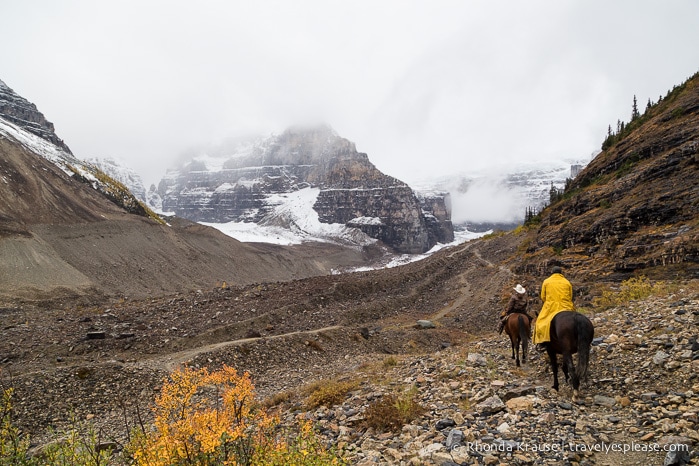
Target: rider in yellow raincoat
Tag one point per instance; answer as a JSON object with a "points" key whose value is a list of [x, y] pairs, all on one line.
{"points": [[557, 295]]}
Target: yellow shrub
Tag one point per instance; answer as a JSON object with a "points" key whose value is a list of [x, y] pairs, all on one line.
{"points": [[632, 289], [13, 445], [212, 418]]}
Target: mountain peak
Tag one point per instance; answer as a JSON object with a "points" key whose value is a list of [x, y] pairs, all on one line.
{"points": [[250, 184], [321, 129], [19, 111]]}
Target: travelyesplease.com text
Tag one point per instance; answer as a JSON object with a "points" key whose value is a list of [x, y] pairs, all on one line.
{"points": [[603, 447]]}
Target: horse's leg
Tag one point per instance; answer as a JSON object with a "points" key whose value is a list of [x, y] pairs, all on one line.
{"points": [[554, 365], [525, 347], [524, 337], [516, 348], [512, 343], [568, 362]]}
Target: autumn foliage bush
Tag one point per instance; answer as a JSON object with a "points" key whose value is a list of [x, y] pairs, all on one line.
{"points": [[202, 418], [212, 418]]}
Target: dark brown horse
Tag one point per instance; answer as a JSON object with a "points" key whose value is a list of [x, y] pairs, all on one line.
{"points": [[571, 332], [518, 328]]}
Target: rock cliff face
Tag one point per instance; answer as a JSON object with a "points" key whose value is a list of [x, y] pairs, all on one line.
{"points": [[18, 110], [436, 206], [241, 183]]}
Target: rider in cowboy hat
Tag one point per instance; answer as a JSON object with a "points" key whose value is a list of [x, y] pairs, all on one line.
{"points": [[518, 303]]}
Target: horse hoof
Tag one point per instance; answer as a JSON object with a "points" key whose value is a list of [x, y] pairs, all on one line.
{"points": [[576, 395]]}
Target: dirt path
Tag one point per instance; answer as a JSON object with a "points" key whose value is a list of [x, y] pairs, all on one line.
{"points": [[170, 362], [456, 304], [464, 284]]}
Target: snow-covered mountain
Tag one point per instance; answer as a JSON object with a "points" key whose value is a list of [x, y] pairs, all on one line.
{"points": [[64, 233], [478, 200], [254, 180]]}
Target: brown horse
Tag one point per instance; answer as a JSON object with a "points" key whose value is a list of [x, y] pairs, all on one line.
{"points": [[518, 328], [571, 332]]}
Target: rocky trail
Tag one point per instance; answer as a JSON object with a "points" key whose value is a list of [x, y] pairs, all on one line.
{"points": [[641, 400], [172, 361]]}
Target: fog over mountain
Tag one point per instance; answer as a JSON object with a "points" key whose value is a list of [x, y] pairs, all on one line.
{"points": [[424, 88]]}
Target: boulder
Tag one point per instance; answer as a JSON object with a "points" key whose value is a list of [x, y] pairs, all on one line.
{"points": [[490, 405]]}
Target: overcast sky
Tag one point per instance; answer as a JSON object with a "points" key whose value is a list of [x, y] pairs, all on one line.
{"points": [[424, 87]]}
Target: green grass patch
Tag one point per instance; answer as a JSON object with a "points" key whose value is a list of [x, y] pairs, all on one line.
{"points": [[633, 289], [328, 392]]}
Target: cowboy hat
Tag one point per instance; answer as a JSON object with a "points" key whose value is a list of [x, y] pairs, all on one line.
{"points": [[520, 289]]}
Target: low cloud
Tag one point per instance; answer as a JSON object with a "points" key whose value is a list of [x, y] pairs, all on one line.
{"points": [[486, 200]]}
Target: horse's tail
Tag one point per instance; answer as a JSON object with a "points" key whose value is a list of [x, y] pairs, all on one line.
{"points": [[523, 330], [586, 332]]}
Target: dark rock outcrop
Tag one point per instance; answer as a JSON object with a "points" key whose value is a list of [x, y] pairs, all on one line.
{"points": [[352, 191]]}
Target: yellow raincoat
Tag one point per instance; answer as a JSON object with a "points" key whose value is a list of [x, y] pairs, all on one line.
{"points": [[557, 295]]}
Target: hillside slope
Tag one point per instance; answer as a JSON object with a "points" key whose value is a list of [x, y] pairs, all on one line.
{"points": [[60, 237], [635, 208], [360, 327]]}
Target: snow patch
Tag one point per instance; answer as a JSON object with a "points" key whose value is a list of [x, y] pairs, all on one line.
{"points": [[366, 221], [460, 237], [254, 233], [40, 146], [225, 187], [293, 221]]}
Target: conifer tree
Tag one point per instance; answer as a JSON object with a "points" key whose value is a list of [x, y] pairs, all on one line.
{"points": [[634, 110], [554, 194]]}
